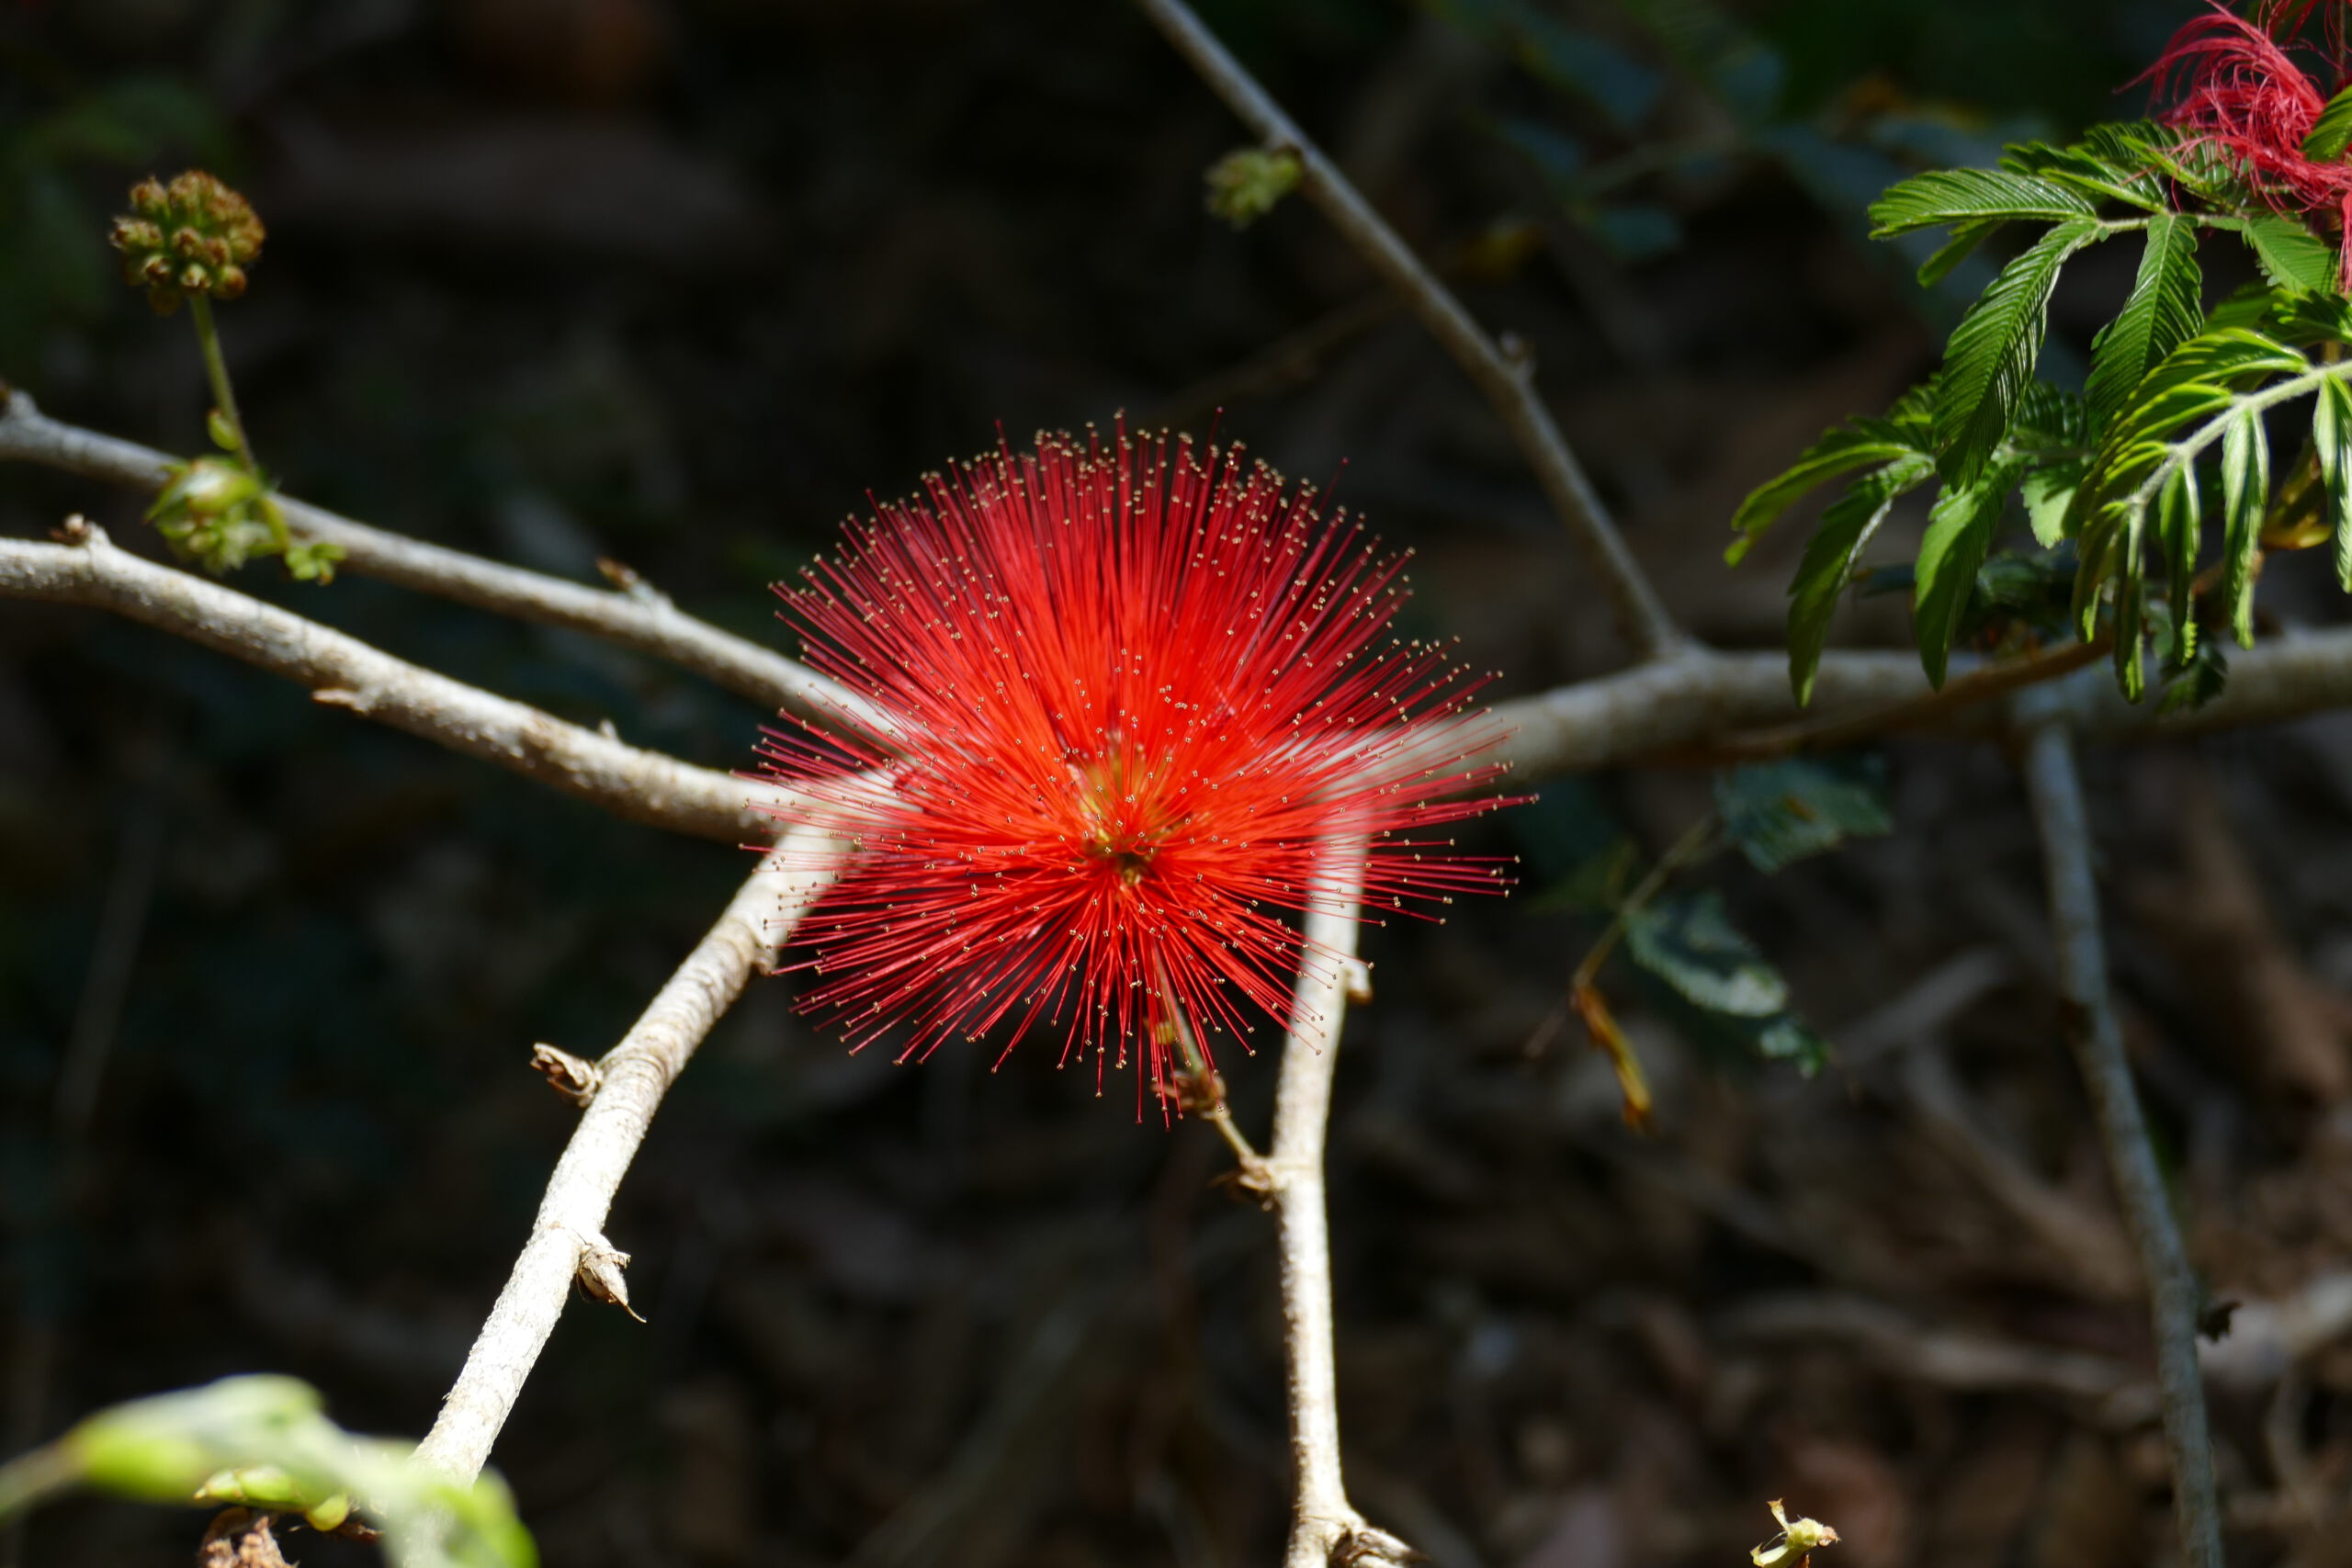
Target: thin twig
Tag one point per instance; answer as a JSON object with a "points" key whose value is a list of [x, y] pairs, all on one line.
{"points": [[1323, 1523], [646, 621], [2097, 1036], [343, 672], [567, 1238], [1507, 381]]}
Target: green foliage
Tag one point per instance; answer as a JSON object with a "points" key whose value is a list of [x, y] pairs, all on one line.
{"points": [[2331, 134], [2331, 444], [1970, 197], [262, 1442], [1688, 944], [223, 512], [1783, 811], [1959, 537], [2291, 256], [1718, 987], [1990, 359], [2175, 426], [2161, 314], [1246, 183], [1847, 527]]}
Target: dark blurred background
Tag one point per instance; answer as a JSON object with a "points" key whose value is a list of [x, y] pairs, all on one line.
{"points": [[682, 284]]}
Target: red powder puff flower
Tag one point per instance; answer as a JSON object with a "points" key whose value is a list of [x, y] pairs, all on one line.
{"points": [[2239, 90], [1123, 708]]}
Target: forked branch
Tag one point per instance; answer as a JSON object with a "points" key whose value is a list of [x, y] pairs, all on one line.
{"points": [[567, 1238], [343, 672], [1507, 381], [634, 618]]}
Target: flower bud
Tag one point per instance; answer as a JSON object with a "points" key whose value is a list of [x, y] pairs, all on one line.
{"points": [[192, 236]]}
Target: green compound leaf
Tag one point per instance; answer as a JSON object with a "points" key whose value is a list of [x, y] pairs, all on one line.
{"points": [[1972, 196], [2181, 529], [1991, 357], [1847, 447], [2176, 412], [1965, 239], [2245, 495], [2331, 134], [2116, 161], [2332, 440], [1847, 527], [2291, 256], [1783, 811], [1960, 534], [2161, 314], [2049, 494], [264, 1443]]}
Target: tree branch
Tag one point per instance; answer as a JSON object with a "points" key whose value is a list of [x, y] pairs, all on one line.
{"points": [[1692, 709], [1323, 1523], [2097, 1036], [637, 618], [567, 1238], [344, 671], [1507, 381]]}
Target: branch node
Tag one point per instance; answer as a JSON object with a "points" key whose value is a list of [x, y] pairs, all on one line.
{"points": [[344, 697], [1362, 1546], [600, 1271], [575, 1078], [629, 581]]}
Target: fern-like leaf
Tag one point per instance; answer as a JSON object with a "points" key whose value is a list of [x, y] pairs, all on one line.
{"points": [[1960, 534], [2331, 134], [2161, 314], [1847, 447], [1847, 525], [1992, 354], [2246, 493], [2332, 440], [2116, 161], [1973, 196], [2291, 256]]}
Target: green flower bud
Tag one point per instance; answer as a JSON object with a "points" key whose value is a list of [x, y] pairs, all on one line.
{"points": [[1245, 183], [192, 236]]}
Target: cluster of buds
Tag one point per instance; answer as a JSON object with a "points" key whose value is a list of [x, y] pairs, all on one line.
{"points": [[192, 236]]}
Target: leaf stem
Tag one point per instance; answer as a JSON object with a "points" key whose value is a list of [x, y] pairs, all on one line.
{"points": [[1208, 1086], [1696, 843]]}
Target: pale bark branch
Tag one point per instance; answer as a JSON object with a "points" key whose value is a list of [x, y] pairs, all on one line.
{"points": [[343, 672], [1686, 708], [1323, 1522], [2097, 1036], [568, 1235], [1507, 381], [641, 620]]}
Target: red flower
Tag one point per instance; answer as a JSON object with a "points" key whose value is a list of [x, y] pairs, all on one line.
{"points": [[1126, 706], [2239, 90]]}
